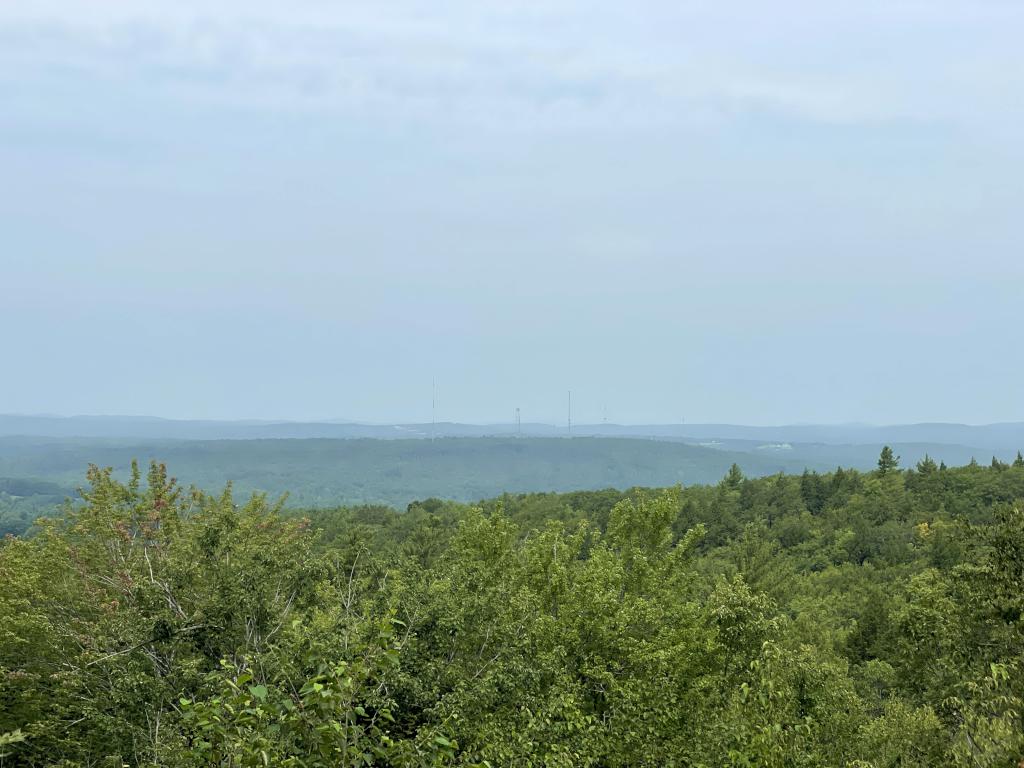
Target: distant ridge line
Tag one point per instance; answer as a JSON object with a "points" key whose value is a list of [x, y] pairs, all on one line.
{"points": [[986, 437]]}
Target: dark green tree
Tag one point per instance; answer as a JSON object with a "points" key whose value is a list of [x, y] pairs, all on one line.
{"points": [[734, 478], [887, 461]]}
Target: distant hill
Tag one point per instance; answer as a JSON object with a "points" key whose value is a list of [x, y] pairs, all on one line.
{"points": [[981, 440], [37, 473], [324, 471]]}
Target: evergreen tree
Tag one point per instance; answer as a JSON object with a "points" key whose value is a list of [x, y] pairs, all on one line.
{"points": [[887, 461], [814, 491], [927, 465], [734, 478], [1019, 461]]}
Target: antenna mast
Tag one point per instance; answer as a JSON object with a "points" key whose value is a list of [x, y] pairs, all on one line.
{"points": [[570, 413], [433, 407]]}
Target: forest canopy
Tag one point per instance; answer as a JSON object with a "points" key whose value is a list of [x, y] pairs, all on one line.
{"points": [[868, 619]]}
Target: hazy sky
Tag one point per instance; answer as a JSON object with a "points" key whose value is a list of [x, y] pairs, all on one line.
{"points": [[718, 211]]}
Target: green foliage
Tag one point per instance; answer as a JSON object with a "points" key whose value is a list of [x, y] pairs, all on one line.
{"points": [[326, 472], [844, 619], [887, 461], [23, 499], [335, 717]]}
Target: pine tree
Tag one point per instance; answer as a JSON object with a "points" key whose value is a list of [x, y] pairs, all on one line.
{"points": [[1019, 461], [734, 477], [887, 461], [926, 465]]}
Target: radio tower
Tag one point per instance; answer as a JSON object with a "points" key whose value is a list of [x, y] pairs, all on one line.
{"points": [[433, 407], [519, 424], [570, 413]]}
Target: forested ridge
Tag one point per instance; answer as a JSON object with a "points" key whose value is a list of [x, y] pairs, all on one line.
{"points": [[868, 619], [36, 473], [327, 473]]}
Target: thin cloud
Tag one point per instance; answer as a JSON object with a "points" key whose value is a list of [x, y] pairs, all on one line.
{"points": [[534, 64]]}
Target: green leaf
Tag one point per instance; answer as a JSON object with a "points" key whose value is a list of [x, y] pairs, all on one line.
{"points": [[258, 692]]}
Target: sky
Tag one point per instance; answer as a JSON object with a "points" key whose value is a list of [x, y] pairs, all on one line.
{"points": [[722, 211]]}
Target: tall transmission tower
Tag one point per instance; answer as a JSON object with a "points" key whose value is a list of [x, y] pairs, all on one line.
{"points": [[519, 423], [433, 407], [570, 413]]}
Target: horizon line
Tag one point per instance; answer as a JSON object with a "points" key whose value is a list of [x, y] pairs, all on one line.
{"points": [[336, 421]]}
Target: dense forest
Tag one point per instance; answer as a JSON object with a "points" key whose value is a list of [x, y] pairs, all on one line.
{"points": [[36, 473], [322, 472], [869, 619], [22, 500]]}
